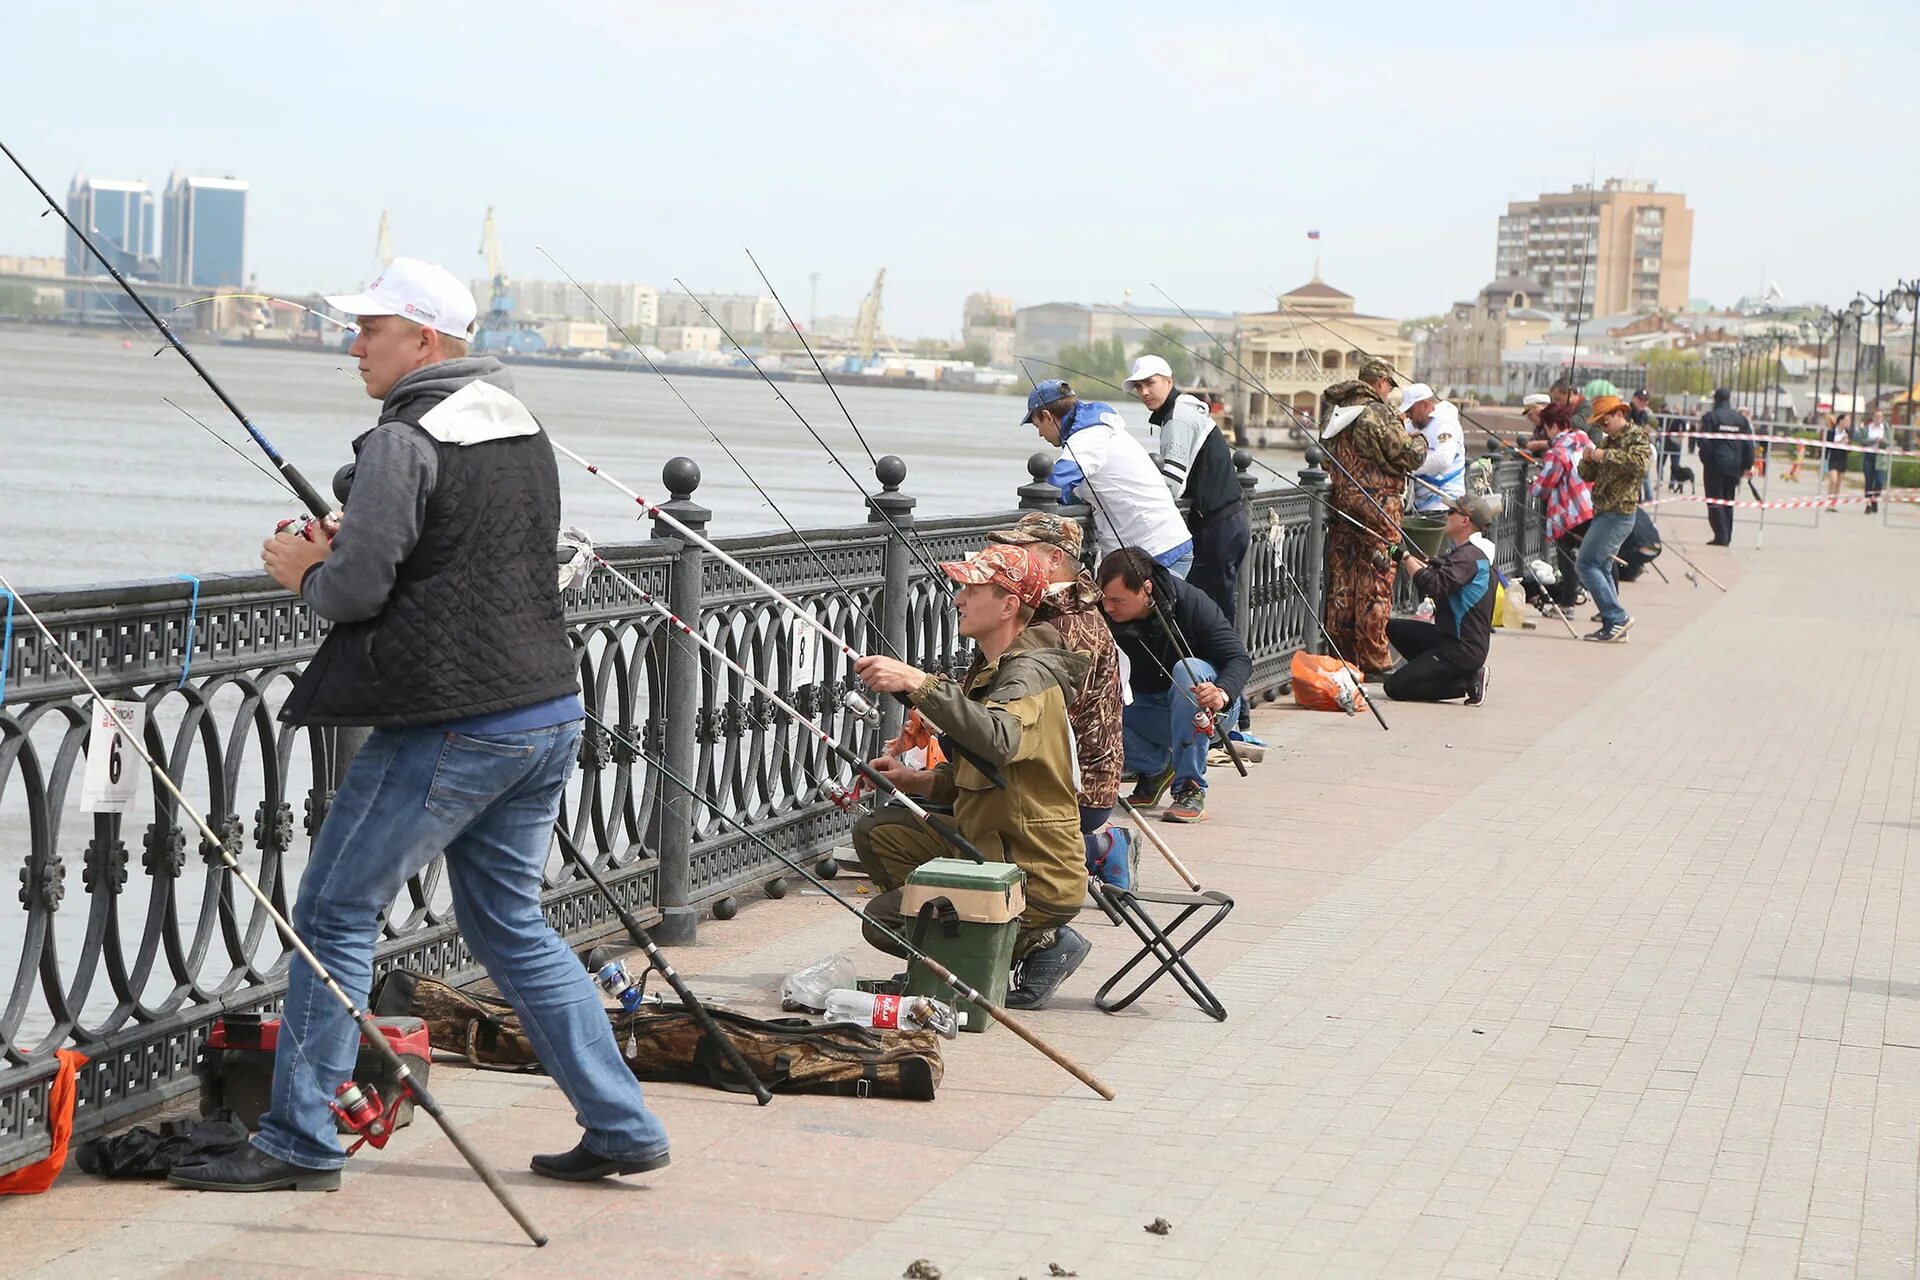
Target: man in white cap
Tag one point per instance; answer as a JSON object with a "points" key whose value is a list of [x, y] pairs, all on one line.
{"points": [[1445, 468], [448, 640], [1198, 465]]}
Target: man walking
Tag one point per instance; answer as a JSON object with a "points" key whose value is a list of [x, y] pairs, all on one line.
{"points": [[1615, 471], [1104, 467], [449, 640], [1373, 454], [1445, 467], [1157, 621], [1447, 658], [1723, 463], [1011, 711], [1071, 606], [1198, 466]]}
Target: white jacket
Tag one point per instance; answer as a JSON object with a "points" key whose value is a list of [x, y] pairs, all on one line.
{"points": [[1446, 464], [1117, 478], [1185, 430]]}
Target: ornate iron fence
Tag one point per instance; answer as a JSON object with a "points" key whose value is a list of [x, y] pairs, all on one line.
{"points": [[133, 962]]}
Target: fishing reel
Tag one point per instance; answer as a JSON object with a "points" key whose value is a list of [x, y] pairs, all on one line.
{"points": [[845, 799], [860, 706], [618, 981], [312, 528], [360, 1111]]}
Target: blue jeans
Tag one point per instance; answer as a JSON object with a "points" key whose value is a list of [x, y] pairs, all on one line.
{"points": [[489, 802], [1179, 568], [1605, 533], [1158, 727]]}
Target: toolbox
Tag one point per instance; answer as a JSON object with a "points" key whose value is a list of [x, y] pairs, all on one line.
{"points": [[971, 929]]}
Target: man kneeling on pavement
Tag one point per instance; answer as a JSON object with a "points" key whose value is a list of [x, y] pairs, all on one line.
{"points": [[1447, 658], [1186, 670], [1010, 711]]}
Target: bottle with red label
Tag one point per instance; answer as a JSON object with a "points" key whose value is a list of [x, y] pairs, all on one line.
{"points": [[877, 1009]]}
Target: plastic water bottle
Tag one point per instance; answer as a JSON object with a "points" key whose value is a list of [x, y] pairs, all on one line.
{"points": [[908, 1013], [806, 990]]}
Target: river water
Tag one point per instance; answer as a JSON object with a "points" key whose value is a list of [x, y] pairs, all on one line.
{"points": [[100, 479]]}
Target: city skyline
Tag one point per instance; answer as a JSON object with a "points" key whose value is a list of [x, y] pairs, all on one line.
{"points": [[966, 149]]}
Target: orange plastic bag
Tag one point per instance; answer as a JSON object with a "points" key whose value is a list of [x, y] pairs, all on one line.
{"points": [[38, 1176], [916, 737], [1321, 683]]}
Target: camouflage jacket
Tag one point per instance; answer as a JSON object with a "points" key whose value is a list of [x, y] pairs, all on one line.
{"points": [[1073, 609], [1375, 452], [1616, 481]]}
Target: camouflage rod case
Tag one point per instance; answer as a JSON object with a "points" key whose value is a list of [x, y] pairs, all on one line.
{"points": [[790, 1055]]}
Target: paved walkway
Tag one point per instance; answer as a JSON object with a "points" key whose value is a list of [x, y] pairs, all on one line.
{"points": [[1615, 976]]}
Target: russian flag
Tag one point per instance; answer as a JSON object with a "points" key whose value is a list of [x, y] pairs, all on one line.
{"points": [[1313, 235]]}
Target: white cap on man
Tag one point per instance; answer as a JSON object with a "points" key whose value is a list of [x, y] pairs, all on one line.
{"points": [[1413, 395], [1145, 367], [429, 296], [1538, 399]]}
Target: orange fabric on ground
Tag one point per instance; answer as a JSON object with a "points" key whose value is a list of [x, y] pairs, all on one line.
{"points": [[37, 1177]]}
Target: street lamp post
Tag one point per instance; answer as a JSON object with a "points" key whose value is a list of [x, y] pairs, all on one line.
{"points": [[1858, 310]]}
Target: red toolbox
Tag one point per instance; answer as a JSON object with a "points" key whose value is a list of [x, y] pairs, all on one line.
{"points": [[236, 1066]]}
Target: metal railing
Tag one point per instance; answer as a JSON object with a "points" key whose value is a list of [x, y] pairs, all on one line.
{"points": [[135, 938]]}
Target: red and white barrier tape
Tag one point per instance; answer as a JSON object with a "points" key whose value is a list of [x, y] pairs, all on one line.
{"points": [[1887, 495], [1804, 441]]}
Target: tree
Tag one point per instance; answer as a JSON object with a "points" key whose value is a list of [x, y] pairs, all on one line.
{"points": [[1102, 361], [1672, 373], [1168, 343], [978, 353], [24, 300]]}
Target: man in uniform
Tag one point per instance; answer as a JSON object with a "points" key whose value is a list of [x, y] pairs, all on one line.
{"points": [[1372, 454], [1445, 467], [1072, 607], [1011, 711]]}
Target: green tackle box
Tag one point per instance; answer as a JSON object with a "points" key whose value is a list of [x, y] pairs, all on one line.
{"points": [[987, 899]]}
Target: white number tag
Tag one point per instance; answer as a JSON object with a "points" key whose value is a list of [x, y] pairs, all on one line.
{"points": [[114, 767], [800, 669]]}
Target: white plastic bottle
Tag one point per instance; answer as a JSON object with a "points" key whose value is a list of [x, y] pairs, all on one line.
{"points": [[871, 1009]]}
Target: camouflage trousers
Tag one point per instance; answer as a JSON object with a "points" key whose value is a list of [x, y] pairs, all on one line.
{"points": [[890, 842], [1360, 600]]}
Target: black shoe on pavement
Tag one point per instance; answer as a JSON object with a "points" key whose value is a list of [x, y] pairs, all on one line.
{"points": [[248, 1168], [1478, 693], [1042, 972], [582, 1165], [1149, 787]]}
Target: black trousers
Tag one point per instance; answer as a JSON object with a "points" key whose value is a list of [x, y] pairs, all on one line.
{"points": [[1721, 484], [1427, 676], [1219, 546]]}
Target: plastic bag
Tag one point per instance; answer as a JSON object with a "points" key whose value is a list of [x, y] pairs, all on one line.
{"points": [[1322, 683], [806, 989]]}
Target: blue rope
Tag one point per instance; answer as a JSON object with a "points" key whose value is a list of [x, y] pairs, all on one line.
{"points": [[6, 647], [193, 619]]}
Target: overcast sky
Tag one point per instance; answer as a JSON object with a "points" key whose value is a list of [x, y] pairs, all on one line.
{"points": [[1042, 150]]}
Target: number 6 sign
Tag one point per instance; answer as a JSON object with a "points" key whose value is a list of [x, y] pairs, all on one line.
{"points": [[114, 767]]}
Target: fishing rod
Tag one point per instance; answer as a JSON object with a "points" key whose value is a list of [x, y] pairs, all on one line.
{"points": [[1167, 625], [879, 781], [918, 552], [308, 495], [267, 298], [369, 1031], [853, 700], [852, 599], [235, 449], [940, 971]]}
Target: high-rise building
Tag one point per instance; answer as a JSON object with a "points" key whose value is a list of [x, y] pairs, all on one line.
{"points": [[118, 217], [1601, 251], [206, 231], [745, 315]]}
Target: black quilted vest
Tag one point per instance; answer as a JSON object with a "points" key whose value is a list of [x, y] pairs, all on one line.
{"points": [[474, 623]]}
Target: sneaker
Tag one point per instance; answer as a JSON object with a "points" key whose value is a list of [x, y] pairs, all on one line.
{"points": [[1114, 867], [1189, 804], [1042, 972], [1608, 635], [1478, 693], [1149, 787]]}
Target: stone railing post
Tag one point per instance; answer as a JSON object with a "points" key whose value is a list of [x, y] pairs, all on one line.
{"points": [[683, 686], [1037, 494], [896, 593], [1243, 463], [1313, 575]]}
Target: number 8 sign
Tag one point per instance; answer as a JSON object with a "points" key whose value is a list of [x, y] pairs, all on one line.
{"points": [[112, 782]]}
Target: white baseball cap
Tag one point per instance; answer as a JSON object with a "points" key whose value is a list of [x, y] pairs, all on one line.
{"points": [[1537, 398], [1413, 395], [429, 296], [1145, 367]]}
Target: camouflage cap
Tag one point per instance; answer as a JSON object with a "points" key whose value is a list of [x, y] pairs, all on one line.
{"points": [[1043, 526], [1373, 369], [1007, 567]]}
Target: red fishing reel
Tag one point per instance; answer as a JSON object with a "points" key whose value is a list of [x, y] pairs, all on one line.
{"points": [[845, 799], [1203, 723], [359, 1109], [312, 528]]}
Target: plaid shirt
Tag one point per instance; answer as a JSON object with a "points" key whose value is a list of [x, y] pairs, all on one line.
{"points": [[1569, 499]]}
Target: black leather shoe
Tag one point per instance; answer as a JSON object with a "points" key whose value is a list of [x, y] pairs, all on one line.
{"points": [[582, 1165], [247, 1168]]}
